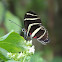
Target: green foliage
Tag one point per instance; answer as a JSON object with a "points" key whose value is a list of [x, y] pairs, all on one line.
{"points": [[37, 57], [3, 54], [10, 46], [14, 42], [12, 26], [40, 5], [2, 32], [21, 7], [1, 12], [19, 10], [12, 61], [57, 59]]}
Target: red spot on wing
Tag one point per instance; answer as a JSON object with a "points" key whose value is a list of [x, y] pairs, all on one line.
{"points": [[33, 37]]}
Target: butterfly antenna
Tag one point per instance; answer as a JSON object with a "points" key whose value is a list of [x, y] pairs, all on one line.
{"points": [[15, 23]]}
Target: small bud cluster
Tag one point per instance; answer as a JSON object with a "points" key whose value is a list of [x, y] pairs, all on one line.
{"points": [[23, 55]]}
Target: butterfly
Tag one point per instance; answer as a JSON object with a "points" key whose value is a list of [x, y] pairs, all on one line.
{"points": [[34, 28]]}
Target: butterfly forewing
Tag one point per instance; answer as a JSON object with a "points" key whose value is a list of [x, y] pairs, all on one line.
{"points": [[34, 27]]}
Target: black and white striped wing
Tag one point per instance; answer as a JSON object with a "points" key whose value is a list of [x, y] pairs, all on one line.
{"points": [[34, 27]]}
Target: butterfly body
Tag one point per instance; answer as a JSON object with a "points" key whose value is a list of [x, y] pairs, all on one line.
{"points": [[34, 28]]}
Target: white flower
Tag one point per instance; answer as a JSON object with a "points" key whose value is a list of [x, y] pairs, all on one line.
{"points": [[31, 50], [13, 56], [9, 54], [29, 42], [20, 55], [25, 41]]}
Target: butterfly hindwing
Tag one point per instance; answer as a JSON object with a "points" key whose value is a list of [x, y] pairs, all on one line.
{"points": [[34, 27]]}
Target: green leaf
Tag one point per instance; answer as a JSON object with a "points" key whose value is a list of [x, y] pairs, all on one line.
{"points": [[1, 11], [1, 60], [12, 42], [12, 61], [3, 54], [2, 32], [10, 25]]}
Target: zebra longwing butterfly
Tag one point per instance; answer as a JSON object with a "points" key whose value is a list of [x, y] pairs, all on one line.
{"points": [[34, 27]]}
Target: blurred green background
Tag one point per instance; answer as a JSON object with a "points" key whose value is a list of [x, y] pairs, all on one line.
{"points": [[50, 12]]}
